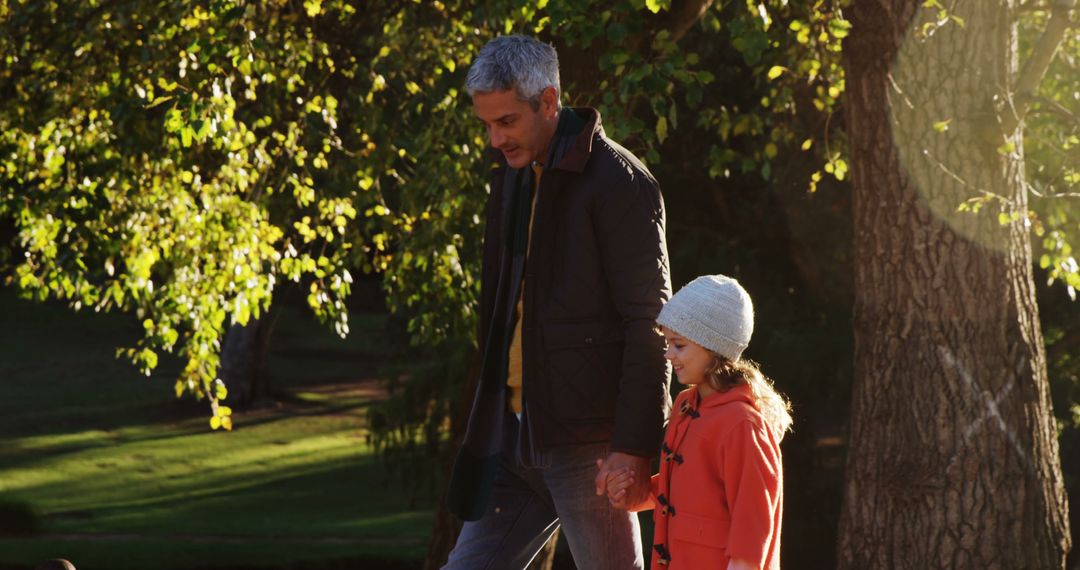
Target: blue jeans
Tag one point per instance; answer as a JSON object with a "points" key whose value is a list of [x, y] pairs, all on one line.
{"points": [[529, 504]]}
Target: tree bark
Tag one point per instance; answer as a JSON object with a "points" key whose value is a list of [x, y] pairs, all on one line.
{"points": [[243, 362], [953, 457]]}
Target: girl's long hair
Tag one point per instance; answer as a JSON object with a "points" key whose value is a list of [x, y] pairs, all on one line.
{"points": [[724, 374]]}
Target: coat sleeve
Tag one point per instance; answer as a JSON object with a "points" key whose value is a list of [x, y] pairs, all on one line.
{"points": [[750, 465], [650, 501], [629, 225]]}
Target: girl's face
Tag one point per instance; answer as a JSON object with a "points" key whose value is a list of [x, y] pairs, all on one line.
{"points": [[690, 360]]}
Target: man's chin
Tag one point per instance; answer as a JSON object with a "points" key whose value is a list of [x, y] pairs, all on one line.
{"points": [[517, 158]]}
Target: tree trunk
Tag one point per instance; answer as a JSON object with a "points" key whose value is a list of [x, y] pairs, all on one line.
{"points": [[953, 457], [445, 530], [243, 361]]}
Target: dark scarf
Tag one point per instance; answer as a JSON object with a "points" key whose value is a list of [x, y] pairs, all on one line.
{"points": [[473, 476]]}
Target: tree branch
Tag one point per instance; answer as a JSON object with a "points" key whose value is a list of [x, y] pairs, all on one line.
{"points": [[1057, 109], [1035, 68], [683, 16]]}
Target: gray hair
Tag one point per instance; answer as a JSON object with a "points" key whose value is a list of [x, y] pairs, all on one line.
{"points": [[515, 62]]}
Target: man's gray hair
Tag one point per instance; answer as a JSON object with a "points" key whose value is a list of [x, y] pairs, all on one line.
{"points": [[515, 62]]}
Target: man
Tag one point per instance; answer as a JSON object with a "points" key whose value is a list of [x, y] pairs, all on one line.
{"points": [[575, 271]]}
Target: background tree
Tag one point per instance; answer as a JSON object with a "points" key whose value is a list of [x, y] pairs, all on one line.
{"points": [[953, 457]]}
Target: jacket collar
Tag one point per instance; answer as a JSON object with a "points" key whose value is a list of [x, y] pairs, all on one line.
{"points": [[573, 141], [739, 393]]}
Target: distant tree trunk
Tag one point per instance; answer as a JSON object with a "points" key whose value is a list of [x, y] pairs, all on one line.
{"points": [[243, 361], [447, 526], [445, 531], [953, 458]]}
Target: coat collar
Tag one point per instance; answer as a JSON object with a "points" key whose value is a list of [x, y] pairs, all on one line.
{"points": [[739, 393], [573, 142]]}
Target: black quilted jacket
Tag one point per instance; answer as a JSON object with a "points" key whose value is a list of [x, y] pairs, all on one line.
{"points": [[596, 277]]}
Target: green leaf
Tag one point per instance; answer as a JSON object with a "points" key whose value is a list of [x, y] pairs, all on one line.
{"points": [[661, 129], [839, 28], [149, 360], [616, 32], [942, 126], [159, 101], [653, 5], [203, 131], [776, 71]]}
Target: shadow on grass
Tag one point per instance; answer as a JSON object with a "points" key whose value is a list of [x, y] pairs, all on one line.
{"points": [[94, 450], [333, 507]]}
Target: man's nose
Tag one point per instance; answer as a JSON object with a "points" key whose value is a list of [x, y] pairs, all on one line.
{"points": [[497, 138]]}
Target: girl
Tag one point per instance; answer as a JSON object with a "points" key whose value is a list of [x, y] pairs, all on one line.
{"points": [[718, 497]]}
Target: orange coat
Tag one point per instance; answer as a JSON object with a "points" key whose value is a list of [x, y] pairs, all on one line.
{"points": [[719, 492]]}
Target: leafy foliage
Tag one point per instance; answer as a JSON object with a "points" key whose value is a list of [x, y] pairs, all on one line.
{"points": [[163, 159], [179, 159], [1052, 156]]}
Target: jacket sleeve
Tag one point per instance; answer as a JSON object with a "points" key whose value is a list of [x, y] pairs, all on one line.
{"points": [[649, 503], [629, 224], [750, 465]]}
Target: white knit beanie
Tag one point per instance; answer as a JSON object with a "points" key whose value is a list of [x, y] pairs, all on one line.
{"points": [[713, 311]]}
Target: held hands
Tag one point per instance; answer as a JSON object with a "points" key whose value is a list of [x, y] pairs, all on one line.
{"points": [[618, 477], [618, 482]]}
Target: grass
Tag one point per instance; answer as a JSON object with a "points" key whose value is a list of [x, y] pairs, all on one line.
{"points": [[121, 475]]}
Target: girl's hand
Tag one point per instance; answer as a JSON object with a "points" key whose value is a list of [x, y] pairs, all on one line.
{"points": [[617, 484]]}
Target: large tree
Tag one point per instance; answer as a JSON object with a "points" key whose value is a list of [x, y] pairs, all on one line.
{"points": [[953, 458]]}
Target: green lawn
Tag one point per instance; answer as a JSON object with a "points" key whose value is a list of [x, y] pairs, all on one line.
{"points": [[122, 475]]}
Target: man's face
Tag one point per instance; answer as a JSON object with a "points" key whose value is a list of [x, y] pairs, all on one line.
{"points": [[514, 128]]}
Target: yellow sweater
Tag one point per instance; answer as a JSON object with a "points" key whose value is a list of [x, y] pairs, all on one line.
{"points": [[513, 372]]}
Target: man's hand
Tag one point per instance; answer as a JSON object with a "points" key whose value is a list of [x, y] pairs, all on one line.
{"points": [[634, 466]]}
